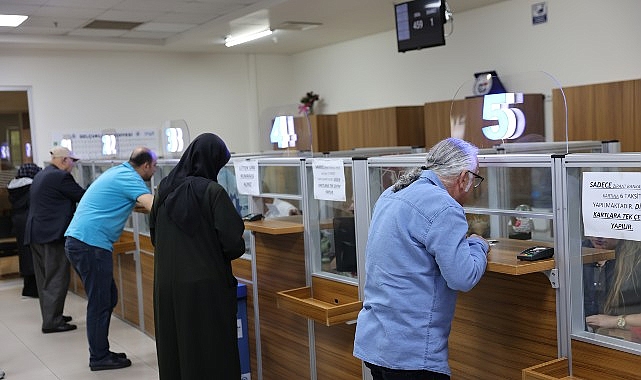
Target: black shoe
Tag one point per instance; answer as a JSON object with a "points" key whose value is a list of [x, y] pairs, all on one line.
{"points": [[121, 355], [66, 318], [62, 328], [110, 362]]}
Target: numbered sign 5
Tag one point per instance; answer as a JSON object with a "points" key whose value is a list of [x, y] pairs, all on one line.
{"points": [[511, 121]]}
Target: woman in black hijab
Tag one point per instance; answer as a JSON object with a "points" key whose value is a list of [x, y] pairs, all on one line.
{"points": [[196, 232]]}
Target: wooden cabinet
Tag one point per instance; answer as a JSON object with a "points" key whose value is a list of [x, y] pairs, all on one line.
{"points": [[469, 113], [605, 111], [393, 126]]}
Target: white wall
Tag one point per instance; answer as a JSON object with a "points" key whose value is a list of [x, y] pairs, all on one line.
{"points": [[584, 41], [91, 91]]}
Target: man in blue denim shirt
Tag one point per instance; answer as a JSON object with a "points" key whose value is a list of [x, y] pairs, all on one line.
{"points": [[417, 258]]}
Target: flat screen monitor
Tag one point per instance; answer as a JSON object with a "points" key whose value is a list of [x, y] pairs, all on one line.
{"points": [[345, 244], [419, 24]]}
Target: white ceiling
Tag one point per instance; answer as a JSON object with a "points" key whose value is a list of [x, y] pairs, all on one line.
{"points": [[200, 25]]}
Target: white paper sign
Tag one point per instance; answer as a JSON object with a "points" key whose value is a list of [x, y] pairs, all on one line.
{"points": [[329, 179], [247, 177], [612, 205]]}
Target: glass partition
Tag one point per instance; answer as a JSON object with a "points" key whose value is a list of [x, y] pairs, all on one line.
{"points": [[514, 201], [604, 217], [332, 230], [504, 108]]}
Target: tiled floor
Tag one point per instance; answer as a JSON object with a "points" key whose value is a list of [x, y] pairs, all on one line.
{"points": [[28, 354]]}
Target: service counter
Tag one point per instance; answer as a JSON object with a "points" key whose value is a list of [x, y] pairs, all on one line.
{"points": [[279, 257], [508, 321], [524, 320]]}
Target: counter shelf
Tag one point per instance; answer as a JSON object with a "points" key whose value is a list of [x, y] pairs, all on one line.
{"points": [[502, 257], [326, 301], [277, 226]]}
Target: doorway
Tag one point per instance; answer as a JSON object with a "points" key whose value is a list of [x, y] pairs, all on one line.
{"points": [[15, 137]]}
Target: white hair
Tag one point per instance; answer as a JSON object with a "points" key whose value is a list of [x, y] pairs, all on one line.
{"points": [[447, 159]]}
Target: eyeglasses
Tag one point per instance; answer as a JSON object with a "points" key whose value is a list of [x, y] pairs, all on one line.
{"points": [[477, 179]]}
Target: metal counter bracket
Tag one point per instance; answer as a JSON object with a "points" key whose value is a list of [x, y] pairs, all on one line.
{"points": [[553, 276]]}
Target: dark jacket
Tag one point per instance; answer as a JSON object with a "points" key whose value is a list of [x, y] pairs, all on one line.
{"points": [[54, 194]]}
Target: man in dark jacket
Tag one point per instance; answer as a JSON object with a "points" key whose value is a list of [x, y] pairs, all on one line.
{"points": [[54, 194]]}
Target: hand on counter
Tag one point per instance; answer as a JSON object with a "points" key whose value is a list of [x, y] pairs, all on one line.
{"points": [[487, 243], [602, 320]]}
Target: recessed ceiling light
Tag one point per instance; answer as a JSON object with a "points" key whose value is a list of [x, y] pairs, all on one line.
{"points": [[12, 20]]}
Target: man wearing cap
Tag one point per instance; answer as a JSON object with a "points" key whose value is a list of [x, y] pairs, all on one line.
{"points": [[54, 194]]}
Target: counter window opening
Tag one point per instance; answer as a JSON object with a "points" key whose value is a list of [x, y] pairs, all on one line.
{"points": [[334, 252], [609, 286]]}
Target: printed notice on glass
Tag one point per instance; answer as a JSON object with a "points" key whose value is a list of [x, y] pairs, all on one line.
{"points": [[247, 177], [329, 179], [612, 205]]}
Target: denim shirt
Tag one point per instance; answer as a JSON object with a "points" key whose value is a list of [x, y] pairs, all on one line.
{"points": [[417, 258]]}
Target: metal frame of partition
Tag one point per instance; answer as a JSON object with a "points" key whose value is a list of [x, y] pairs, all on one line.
{"points": [[569, 176]]}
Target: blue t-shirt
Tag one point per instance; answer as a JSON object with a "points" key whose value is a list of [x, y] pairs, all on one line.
{"points": [[103, 210]]}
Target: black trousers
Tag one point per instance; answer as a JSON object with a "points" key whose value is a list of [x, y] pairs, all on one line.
{"points": [[382, 373]]}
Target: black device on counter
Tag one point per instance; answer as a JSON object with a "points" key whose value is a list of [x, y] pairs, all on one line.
{"points": [[536, 253], [252, 217]]}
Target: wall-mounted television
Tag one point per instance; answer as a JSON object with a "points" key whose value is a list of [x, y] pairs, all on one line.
{"points": [[419, 24]]}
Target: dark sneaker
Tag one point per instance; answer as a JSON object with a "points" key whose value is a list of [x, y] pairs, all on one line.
{"points": [[110, 362], [62, 328]]}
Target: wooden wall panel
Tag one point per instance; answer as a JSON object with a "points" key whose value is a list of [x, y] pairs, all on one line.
{"points": [[604, 111], [393, 126], [502, 326], [334, 347], [147, 268], [592, 362], [335, 344], [438, 123], [324, 133], [128, 288], [280, 263]]}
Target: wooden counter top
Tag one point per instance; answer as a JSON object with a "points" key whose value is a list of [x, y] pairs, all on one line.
{"points": [[502, 257], [277, 226]]}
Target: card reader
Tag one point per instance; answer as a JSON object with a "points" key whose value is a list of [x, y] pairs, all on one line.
{"points": [[536, 253]]}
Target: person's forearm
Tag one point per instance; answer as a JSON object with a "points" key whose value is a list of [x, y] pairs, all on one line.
{"points": [[145, 202]]}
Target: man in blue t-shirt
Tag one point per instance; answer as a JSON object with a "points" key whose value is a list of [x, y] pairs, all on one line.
{"points": [[98, 222]]}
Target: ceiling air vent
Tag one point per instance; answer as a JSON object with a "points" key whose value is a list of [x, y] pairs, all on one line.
{"points": [[112, 25]]}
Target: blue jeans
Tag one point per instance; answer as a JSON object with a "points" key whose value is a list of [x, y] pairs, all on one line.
{"points": [[95, 267], [382, 373]]}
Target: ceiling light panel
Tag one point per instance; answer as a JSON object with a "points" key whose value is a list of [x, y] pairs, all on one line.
{"points": [[12, 20]]}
